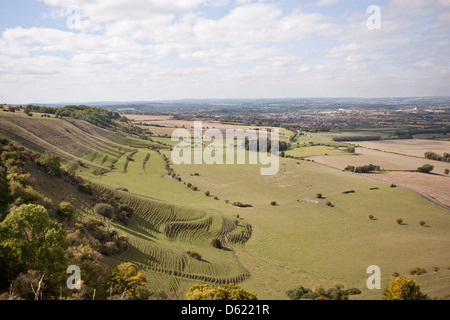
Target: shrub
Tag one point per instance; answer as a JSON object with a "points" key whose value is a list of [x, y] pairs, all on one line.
{"points": [[417, 271], [241, 205], [319, 289], [319, 196], [109, 249], [436, 269], [447, 171], [194, 254], [396, 274], [65, 210], [403, 288], [329, 204], [222, 292], [207, 193], [350, 149], [72, 167], [426, 168], [399, 221], [298, 293], [393, 186], [371, 217], [273, 203], [85, 188], [104, 209], [216, 243], [310, 295], [129, 281], [16, 189], [422, 223], [52, 163]]}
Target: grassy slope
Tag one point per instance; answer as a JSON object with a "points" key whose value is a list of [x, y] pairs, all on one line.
{"points": [[297, 242]]}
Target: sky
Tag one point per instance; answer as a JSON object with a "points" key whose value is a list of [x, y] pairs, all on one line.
{"points": [[54, 51]]}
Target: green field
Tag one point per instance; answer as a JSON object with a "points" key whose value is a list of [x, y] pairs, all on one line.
{"points": [[268, 249]]}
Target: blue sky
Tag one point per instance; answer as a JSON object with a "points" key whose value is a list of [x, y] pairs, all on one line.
{"points": [[129, 50]]}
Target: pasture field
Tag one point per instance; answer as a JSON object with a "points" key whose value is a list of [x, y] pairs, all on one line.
{"points": [[304, 241], [269, 249]]}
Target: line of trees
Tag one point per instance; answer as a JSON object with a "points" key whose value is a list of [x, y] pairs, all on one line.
{"points": [[363, 169], [434, 156], [357, 138]]}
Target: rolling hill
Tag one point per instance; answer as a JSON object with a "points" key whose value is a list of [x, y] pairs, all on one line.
{"points": [[267, 249]]}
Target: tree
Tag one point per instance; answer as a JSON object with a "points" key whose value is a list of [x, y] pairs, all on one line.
{"points": [[403, 288], [426, 168], [222, 292], [447, 171], [34, 240], [350, 149], [51, 162], [128, 282]]}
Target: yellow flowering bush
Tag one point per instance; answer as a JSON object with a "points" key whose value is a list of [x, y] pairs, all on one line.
{"points": [[403, 288], [222, 292]]}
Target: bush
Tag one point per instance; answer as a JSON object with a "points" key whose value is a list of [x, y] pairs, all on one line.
{"points": [[319, 196], [447, 171], [104, 209], [422, 223], [298, 293], [16, 190], [417, 271], [52, 163], [329, 204], [403, 288], [241, 205], [222, 292], [85, 188], [399, 221], [436, 269], [194, 254], [207, 193], [216, 243], [371, 217], [426, 168], [65, 210], [109, 249], [273, 203]]}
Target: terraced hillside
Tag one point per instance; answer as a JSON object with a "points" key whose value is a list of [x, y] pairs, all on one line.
{"points": [[160, 233], [71, 139]]}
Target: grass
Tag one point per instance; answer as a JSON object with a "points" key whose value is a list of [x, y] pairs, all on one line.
{"points": [[270, 249]]}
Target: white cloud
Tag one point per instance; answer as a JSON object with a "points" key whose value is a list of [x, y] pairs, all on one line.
{"points": [[133, 50]]}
